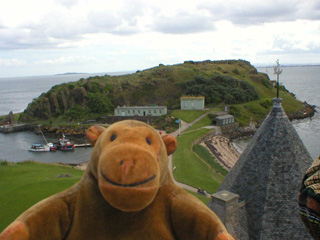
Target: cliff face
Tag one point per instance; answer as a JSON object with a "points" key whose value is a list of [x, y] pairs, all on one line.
{"points": [[55, 103], [8, 119]]}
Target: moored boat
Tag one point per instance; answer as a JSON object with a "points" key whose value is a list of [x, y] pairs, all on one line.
{"points": [[65, 144], [38, 147]]}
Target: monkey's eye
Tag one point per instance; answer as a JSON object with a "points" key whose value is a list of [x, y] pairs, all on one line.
{"points": [[148, 141], [113, 137]]}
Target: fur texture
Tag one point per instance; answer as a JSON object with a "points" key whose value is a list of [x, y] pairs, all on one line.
{"points": [[126, 192]]}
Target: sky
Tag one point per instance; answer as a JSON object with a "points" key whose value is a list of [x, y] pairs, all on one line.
{"points": [[44, 37]]}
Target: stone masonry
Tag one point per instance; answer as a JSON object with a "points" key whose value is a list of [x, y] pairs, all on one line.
{"points": [[267, 177]]}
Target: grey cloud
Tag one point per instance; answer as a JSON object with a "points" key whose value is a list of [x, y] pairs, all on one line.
{"points": [[123, 22], [21, 38], [289, 46], [50, 33], [257, 12], [104, 20], [183, 23]]}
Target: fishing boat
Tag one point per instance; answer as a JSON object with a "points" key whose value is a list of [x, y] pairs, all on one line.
{"points": [[65, 144], [38, 147]]}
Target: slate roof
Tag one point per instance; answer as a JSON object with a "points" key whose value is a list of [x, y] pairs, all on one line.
{"points": [[224, 117], [267, 176]]}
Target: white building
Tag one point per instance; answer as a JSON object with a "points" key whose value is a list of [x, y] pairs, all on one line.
{"points": [[140, 111], [192, 103]]}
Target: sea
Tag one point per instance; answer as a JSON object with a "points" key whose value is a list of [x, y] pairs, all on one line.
{"points": [[304, 82], [16, 93]]}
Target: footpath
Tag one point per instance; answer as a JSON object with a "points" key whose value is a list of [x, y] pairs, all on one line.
{"points": [[184, 126]]}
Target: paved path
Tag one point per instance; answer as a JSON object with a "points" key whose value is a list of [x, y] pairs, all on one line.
{"points": [[183, 127]]}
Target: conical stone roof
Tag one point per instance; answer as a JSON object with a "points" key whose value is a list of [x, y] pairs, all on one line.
{"points": [[268, 175]]}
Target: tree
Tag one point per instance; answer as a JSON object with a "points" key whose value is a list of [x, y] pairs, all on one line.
{"points": [[76, 112], [220, 88], [99, 103]]}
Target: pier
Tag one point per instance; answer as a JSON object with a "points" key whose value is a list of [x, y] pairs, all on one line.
{"points": [[11, 128]]}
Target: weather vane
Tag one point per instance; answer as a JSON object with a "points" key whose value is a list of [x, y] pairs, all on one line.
{"points": [[277, 71]]}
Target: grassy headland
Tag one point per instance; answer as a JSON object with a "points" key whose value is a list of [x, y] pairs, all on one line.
{"points": [[233, 82]]}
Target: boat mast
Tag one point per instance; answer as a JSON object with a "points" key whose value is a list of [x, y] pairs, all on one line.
{"points": [[43, 135]]}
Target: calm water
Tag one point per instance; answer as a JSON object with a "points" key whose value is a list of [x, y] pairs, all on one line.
{"points": [[14, 148], [16, 93]]}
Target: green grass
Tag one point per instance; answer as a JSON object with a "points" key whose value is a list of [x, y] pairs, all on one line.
{"points": [[205, 121], [206, 156], [189, 168], [187, 116], [24, 184], [202, 198]]}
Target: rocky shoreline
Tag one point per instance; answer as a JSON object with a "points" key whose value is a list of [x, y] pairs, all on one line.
{"points": [[308, 111]]}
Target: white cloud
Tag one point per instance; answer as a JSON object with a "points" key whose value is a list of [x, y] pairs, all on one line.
{"points": [[67, 3], [128, 34], [12, 62], [67, 60]]}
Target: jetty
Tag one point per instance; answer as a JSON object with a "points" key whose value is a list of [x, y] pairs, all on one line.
{"points": [[17, 127], [82, 145]]}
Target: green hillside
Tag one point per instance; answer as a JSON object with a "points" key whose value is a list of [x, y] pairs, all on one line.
{"points": [[234, 82]]}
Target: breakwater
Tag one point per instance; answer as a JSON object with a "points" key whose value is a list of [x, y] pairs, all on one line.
{"points": [[11, 128]]}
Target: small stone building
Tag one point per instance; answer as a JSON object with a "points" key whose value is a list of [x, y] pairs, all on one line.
{"points": [[140, 111], [224, 120], [192, 103]]}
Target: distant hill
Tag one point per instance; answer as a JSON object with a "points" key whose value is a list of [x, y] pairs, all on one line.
{"points": [[221, 82]]}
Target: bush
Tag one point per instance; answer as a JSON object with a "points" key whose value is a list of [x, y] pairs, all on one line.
{"points": [[221, 88], [99, 103], [266, 103], [4, 163], [236, 71], [76, 112]]}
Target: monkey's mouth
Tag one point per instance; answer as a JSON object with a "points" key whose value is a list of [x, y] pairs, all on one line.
{"points": [[127, 185]]}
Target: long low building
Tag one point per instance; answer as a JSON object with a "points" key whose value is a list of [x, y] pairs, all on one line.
{"points": [[140, 111], [224, 120]]}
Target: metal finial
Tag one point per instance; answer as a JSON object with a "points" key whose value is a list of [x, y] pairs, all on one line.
{"points": [[277, 71]]}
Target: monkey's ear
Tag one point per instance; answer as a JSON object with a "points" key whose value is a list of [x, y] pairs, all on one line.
{"points": [[170, 142], [93, 133]]}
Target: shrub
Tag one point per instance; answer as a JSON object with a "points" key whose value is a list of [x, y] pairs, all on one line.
{"points": [[4, 163], [99, 103], [220, 88], [76, 112], [266, 103]]}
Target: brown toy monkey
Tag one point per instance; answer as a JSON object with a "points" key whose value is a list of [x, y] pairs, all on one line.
{"points": [[126, 193]]}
